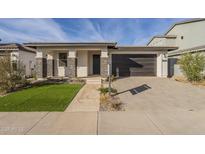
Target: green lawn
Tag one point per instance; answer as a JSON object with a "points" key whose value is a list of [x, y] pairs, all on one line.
{"points": [[44, 98]]}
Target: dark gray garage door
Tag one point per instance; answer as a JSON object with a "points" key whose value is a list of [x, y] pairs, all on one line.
{"points": [[134, 64]]}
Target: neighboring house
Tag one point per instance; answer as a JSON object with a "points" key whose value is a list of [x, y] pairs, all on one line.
{"points": [[20, 53], [188, 36], [87, 59]]}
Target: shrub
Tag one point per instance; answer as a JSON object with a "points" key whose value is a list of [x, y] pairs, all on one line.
{"points": [[192, 66], [11, 74], [106, 90]]}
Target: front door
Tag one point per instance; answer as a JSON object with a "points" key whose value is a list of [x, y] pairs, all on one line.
{"points": [[96, 64]]}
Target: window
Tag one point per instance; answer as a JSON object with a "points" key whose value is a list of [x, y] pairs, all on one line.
{"points": [[63, 59], [14, 65]]}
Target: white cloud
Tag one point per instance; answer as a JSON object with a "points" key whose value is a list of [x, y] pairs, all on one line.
{"points": [[123, 31], [28, 30], [84, 30], [91, 30]]}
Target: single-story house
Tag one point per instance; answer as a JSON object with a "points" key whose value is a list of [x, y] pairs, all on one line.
{"points": [[188, 36], [20, 53], [93, 58], [158, 58]]}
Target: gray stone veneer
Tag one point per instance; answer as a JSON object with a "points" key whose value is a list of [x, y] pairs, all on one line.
{"points": [[49, 67], [55, 63], [104, 66], [39, 67], [71, 67]]}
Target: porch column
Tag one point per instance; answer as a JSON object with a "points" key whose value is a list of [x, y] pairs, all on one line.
{"points": [[104, 63], [55, 63], [50, 65], [159, 64], [71, 64], [39, 64], [162, 65]]}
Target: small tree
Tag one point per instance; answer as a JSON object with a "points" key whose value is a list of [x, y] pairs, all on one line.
{"points": [[192, 66], [11, 74]]}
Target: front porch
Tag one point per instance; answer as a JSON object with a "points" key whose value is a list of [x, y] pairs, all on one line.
{"points": [[71, 63]]}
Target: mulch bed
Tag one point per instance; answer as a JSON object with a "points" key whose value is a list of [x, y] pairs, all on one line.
{"points": [[184, 80], [111, 103]]}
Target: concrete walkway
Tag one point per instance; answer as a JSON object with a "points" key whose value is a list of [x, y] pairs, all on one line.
{"points": [[88, 99]]}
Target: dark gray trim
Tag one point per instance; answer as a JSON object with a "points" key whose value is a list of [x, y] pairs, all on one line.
{"points": [[171, 63], [72, 44], [144, 48]]}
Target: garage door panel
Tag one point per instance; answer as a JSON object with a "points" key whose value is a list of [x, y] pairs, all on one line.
{"points": [[134, 64], [141, 74]]}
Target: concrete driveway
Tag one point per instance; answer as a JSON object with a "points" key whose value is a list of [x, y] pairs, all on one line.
{"points": [[153, 106], [156, 106]]}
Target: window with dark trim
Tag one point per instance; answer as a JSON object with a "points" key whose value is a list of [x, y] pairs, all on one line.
{"points": [[14, 65], [63, 59]]}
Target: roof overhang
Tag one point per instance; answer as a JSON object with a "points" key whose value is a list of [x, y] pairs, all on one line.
{"points": [[16, 47], [72, 44], [144, 48], [162, 36], [188, 50], [8, 47]]}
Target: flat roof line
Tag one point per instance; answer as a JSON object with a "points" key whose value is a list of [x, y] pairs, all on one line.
{"points": [[161, 36], [69, 43], [145, 48]]}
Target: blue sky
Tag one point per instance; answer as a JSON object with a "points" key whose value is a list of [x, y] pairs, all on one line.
{"points": [[128, 31]]}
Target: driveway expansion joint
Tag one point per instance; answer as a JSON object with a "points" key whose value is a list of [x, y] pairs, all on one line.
{"points": [[157, 127]]}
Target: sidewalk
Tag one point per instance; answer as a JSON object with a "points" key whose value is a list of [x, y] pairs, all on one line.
{"points": [[81, 116]]}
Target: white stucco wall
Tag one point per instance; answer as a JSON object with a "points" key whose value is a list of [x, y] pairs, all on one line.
{"points": [[28, 60], [157, 42], [14, 55], [82, 63], [159, 64], [162, 65], [162, 42]]}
